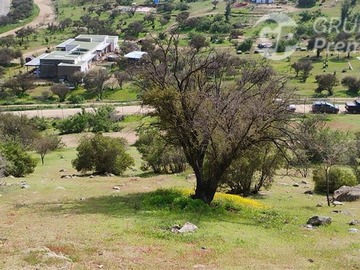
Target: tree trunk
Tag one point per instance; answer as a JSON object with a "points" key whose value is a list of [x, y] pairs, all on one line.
{"points": [[318, 51], [204, 191], [42, 159], [327, 186]]}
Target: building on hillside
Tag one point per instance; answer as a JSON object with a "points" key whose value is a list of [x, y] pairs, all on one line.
{"points": [[135, 55], [74, 54], [263, 1]]}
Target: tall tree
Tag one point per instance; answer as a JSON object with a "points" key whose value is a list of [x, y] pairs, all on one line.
{"points": [[211, 120], [94, 81], [326, 82], [60, 90], [325, 147]]}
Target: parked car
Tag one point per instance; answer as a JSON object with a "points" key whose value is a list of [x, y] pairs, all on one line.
{"points": [[353, 107], [324, 107], [291, 108]]}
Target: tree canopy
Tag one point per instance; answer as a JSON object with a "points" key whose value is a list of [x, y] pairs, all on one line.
{"points": [[213, 120]]}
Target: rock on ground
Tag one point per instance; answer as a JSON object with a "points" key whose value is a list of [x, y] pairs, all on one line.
{"points": [[347, 194], [319, 220], [188, 227]]}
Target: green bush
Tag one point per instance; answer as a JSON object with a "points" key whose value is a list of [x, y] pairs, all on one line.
{"points": [[75, 99], [18, 162], [174, 200], [74, 124], [102, 120], [337, 177], [102, 155], [158, 154]]}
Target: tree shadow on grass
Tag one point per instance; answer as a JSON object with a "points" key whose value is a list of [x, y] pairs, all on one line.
{"points": [[165, 206], [147, 174], [347, 93]]}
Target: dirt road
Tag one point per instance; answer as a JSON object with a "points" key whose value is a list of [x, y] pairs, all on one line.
{"points": [[63, 113], [121, 110], [46, 15]]}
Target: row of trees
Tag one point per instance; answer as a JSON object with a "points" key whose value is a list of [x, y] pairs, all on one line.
{"points": [[94, 82], [326, 82]]}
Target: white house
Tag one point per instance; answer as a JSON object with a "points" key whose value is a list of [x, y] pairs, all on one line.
{"points": [[74, 54]]}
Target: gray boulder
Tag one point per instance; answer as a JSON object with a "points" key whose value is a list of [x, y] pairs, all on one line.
{"points": [[188, 227], [347, 194], [319, 220], [354, 222]]}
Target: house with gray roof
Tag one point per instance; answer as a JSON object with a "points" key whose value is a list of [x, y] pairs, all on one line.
{"points": [[74, 54]]}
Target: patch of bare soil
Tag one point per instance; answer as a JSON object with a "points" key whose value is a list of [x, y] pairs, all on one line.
{"points": [[73, 140]]}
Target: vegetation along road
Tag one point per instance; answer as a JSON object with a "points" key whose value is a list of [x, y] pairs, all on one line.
{"points": [[122, 110], [63, 113], [46, 15]]}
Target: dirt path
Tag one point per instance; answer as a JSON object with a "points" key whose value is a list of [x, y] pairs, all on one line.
{"points": [[73, 140], [46, 15], [125, 110], [63, 113]]}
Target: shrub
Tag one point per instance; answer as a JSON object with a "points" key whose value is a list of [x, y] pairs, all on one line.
{"points": [[159, 155], [102, 154], [75, 99], [74, 124], [352, 83], [100, 121], [337, 177], [245, 45], [253, 169], [18, 162], [174, 200]]}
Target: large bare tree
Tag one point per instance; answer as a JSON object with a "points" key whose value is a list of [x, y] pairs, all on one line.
{"points": [[211, 115], [94, 81]]}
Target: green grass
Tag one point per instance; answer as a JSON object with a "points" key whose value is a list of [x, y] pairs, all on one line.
{"points": [[128, 93], [86, 220], [336, 64], [345, 122]]}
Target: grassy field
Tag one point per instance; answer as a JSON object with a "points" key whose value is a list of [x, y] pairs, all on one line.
{"points": [[83, 223]]}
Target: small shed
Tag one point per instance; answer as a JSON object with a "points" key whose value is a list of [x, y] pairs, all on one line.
{"points": [[135, 55]]}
